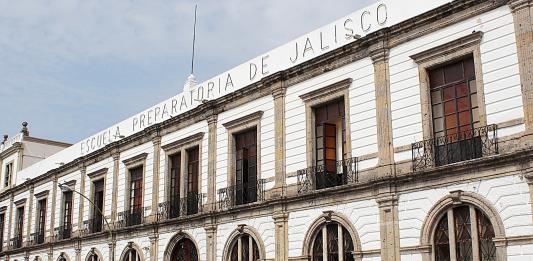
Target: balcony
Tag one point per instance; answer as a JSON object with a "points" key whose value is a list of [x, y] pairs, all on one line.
{"points": [[190, 205], [462, 146], [94, 225], [16, 242], [37, 238], [321, 177], [131, 217], [63, 232], [240, 195]]}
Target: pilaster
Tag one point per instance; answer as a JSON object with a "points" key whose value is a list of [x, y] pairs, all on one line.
{"points": [[156, 140], [83, 177], [50, 254], [380, 58], [212, 119], [521, 10], [278, 88], [77, 250], [389, 228], [53, 212], [30, 215], [112, 246], [211, 231], [154, 239], [281, 226], [114, 198]]}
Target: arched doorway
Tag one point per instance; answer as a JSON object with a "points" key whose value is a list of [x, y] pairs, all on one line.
{"points": [[184, 250]]}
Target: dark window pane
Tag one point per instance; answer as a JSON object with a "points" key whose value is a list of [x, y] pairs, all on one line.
{"points": [[453, 72], [449, 107], [462, 104], [462, 89], [436, 78], [469, 68], [449, 93], [463, 232], [442, 241], [464, 118]]}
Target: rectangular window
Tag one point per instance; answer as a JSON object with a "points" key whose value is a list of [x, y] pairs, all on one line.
{"points": [[2, 225], [136, 190], [19, 227], [246, 167], [41, 221], [455, 112], [175, 171], [330, 143], [8, 174], [192, 180], [66, 228], [98, 199]]}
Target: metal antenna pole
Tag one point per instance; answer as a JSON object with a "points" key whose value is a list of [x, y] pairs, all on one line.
{"points": [[193, 38]]}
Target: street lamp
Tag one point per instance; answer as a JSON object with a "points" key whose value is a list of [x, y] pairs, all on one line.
{"points": [[67, 188]]}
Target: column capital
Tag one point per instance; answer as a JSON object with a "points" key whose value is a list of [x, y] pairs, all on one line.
{"points": [[276, 82], [280, 217], [379, 55], [517, 5], [387, 201], [210, 228]]}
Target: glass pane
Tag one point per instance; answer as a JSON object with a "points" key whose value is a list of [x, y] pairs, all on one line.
{"points": [[461, 89], [473, 87], [475, 115], [438, 124], [448, 93], [473, 100], [451, 121], [436, 78], [487, 249], [333, 242], [330, 142], [438, 111], [435, 97], [462, 104], [317, 247], [453, 72], [469, 68], [442, 241], [463, 232], [449, 107], [464, 118]]}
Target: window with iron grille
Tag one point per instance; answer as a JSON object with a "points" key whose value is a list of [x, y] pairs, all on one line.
{"points": [[136, 189], [41, 220], [249, 251], [67, 215], [462, 231], [330, 142], [184, 250], [2, 225], [19, 226], [193, 161], [132, 255], [335, 238], [175, 174], [246, 166]]}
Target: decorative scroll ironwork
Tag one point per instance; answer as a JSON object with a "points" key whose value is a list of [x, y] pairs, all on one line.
{"points": [[240, 195], [94, 225], [36, 238], [317, 177], [191, 205], [63, 232], [131, 217], [462, 146], [16, 242]]}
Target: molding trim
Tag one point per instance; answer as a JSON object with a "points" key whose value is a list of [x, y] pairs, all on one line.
{"points": [[139, 159], [243, 120], [97, 173], [70, 183], [327, 90], [175, 145], [473, 39], [43, 194], [3, 209], [20, 202]]}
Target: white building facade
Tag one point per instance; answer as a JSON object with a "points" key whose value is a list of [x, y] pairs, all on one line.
{"points": [[394, 133]]}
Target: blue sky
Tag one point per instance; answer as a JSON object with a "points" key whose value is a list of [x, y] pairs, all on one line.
{"points": [[74, 67]]}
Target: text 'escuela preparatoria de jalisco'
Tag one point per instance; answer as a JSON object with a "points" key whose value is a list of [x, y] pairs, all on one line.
{"points": [[403, 131]]}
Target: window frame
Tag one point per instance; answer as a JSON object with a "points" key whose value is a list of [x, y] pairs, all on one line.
{"points": [[236, 235], [134, 162], [8, 174], [442, 55], [320, 97], [97, 176]]}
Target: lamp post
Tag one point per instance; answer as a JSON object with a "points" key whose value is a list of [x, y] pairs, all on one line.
{"points": [[66, 188]]}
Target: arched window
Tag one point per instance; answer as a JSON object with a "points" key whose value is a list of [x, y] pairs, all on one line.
{"points": [[466, 233], [333, 241], [132, 255], [62, 257], [93, 255], [184, 250], [244, 248]]}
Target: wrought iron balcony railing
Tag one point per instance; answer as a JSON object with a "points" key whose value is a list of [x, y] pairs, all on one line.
{"points": [[131, 217], [16, 242], [323, 176], [462, 146], [240, 195], [63, 232], [190, 205], [37, 238], [94, 225]]}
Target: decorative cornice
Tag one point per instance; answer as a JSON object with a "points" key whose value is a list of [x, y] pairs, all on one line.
{"points": [[42, 194], [97, 173], [183, 142], [70, 183], [325, 91], [3, 209], [256, 116], [473, 39], [135, 159], [20, 202], [276, 82]]}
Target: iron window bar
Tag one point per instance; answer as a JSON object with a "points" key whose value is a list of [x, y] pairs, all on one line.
{"points": [[63, 232], [180, 207], [37, 238], [94, 225], [240, 195], [131, 217]]}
